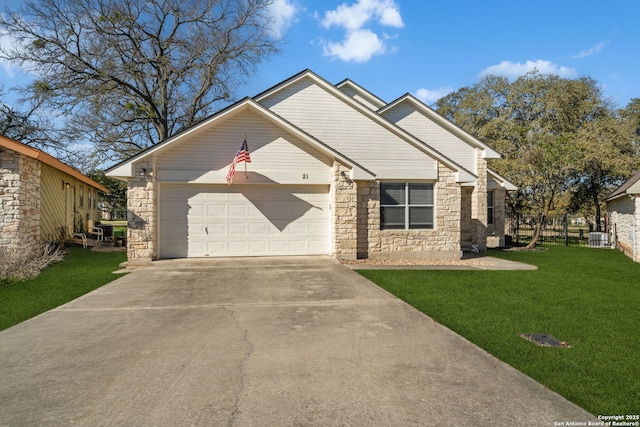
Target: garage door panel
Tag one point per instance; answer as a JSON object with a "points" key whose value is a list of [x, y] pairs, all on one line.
{"points": [[216, 210], [238, 210], [213, 220]]}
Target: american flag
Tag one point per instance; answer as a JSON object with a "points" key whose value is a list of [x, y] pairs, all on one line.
{"points": [[241, 156]]}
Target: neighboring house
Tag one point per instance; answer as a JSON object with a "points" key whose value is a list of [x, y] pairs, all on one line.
{"points": [[623, 207], [41, 198], [335, 170]]}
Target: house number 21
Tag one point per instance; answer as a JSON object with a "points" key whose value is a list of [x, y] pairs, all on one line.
{"points": [[305, 176]]}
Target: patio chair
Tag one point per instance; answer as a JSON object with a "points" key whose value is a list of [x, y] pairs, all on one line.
{"points": [[93, 230]]}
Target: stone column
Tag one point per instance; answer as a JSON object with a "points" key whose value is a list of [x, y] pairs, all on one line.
{"points": [[142, 220], [479, 204], [344, 196], [19, 199], [368, 218]]}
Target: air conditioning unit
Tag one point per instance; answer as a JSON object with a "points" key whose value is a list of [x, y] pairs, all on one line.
{"points": [[598, 240]]}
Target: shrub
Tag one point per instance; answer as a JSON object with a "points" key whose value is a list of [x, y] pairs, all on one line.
{"points": [[26, 260]]}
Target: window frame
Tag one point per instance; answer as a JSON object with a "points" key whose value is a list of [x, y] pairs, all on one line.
{"points": [[407, 205], [491, 205]]}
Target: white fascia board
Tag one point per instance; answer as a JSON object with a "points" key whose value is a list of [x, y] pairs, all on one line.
{"points": [[503, 182], [370, 97], [121, 171], [466, 177]]}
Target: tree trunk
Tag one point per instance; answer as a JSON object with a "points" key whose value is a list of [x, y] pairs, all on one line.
{"points": [[598, 212], [537, 231]]}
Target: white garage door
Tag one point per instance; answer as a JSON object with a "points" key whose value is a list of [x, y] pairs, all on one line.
{"points": [[242, 220]]}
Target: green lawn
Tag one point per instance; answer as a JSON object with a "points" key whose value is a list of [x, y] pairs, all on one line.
{"points": [[82, 271], [589, 298]]}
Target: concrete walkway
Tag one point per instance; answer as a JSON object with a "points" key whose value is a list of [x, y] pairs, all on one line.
{"points": [[469, 262], [256, 342]]}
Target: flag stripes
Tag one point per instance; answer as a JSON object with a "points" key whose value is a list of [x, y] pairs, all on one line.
{"points": [[241, 156]]}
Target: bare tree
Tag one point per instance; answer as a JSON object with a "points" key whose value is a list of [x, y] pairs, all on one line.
{"points": [[128, 73], [27, 124]]}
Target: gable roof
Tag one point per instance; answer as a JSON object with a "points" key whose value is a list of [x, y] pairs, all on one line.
{"points": [[464, 175], [126, 168], [374, 102], [503, 182], [47, 159], [629, 187], [434, 116]]}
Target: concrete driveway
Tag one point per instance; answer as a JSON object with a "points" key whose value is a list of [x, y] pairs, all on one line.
{"points": [[256, 342]]}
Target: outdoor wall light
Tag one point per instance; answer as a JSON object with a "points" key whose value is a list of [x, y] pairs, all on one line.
{"points": [[346, 177], [144, 172]]}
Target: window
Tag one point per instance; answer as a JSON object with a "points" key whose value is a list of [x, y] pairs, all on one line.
{"points": [[490, 205], [81, 196], [406, 206]]}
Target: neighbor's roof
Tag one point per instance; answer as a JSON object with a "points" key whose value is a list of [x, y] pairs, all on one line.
{"points": [[43, 157], [630, 186]]}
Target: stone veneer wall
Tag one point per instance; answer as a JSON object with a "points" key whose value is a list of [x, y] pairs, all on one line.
{"points": [[443, 241], [624, 212], [479, 204], [344, 198], [368, 218], [142, 219], [19, 199]]}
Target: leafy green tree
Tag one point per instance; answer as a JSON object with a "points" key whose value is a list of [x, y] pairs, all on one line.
{"points": [[114, 202], [129, 73], [607, 157], [538, 122], [630, 117]]}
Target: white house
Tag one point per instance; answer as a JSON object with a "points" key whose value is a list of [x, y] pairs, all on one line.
{"points": [[623, 207], [334, 170]]}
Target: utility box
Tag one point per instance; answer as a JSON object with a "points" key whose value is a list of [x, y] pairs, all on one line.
{"points": [[493, 242], [598, 240]]}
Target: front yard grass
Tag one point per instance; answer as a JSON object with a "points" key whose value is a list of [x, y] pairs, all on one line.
{"points": [[81, 271], [589, 298]]}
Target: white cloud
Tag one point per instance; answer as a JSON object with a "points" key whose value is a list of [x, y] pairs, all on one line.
{"points": [[430, 96], [359, 46], [284, 14], [591, 51], [514, 70], [355, 16]]}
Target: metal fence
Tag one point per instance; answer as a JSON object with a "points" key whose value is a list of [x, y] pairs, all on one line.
{"points": [[557, 230]]}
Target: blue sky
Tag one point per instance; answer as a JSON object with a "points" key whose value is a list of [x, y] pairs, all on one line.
{"points": [[429, 48]]}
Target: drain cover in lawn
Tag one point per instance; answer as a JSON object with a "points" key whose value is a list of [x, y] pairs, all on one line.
{"points": [[545, 340]]}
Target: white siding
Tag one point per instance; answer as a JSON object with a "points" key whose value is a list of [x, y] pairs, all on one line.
{"points": [[351, 132], [276, 155], [358, 96], [443, 141]]}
